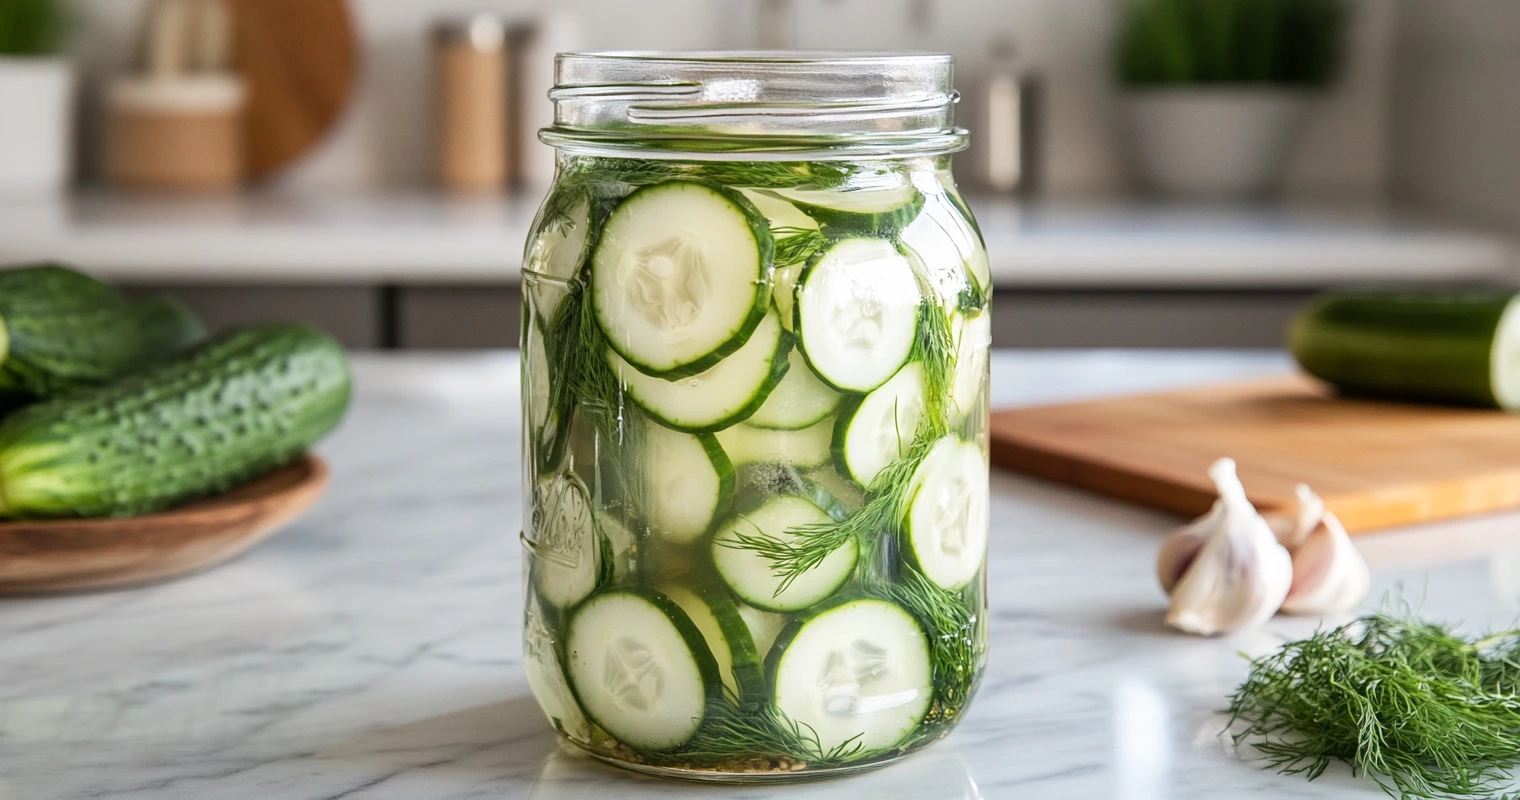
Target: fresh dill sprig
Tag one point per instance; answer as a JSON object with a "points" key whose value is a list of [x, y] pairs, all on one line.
{"points": [[796, 245], [886, 503], [1421, 711], [760, 731], [935, 348]]}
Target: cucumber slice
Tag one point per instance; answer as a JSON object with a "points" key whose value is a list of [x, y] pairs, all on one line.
{"points": [[689, 483], [948, 518], [799, 400], [546, 674], [680, 276], [808, 447], [779, 213], [548, 429], [1448, 347], [622, 546], [727, 637], [874, 212], [764, 627], [842, 489], [570, 556], [727, 393], [640, 668], [784, 295], [859, 668], [857, 313], [968, 378], [555, 256], [749, 574], [879, 428], [757, 483]]}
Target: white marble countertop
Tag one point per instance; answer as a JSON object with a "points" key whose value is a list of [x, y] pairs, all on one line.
{"points": [[371, 651], [419, 237]]}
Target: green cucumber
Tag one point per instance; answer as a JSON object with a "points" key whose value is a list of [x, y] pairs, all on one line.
{"points": [[750, 575], [728, 638], [571, 556], [689, 482], [237, 407], [1446, 347], [808, 447], [61, 331]]}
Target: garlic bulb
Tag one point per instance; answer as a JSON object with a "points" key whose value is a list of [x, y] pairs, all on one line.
{"points": [[1329, 574], [1293, 530], [1239, 575]]}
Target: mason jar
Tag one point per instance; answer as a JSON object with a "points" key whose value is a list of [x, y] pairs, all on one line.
{"points": [[754, 360]]}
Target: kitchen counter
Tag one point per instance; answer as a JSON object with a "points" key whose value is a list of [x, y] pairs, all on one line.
{"points": [[371, 651], [422, 238]]}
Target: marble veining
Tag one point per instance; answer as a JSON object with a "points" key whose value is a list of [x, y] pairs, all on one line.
{"points": [[371, 651]]}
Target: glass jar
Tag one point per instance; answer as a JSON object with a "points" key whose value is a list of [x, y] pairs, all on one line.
{"points": [[755, 338]]}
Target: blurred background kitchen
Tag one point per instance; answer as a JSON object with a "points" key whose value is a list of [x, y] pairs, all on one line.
{"points": [[1143, 177]]}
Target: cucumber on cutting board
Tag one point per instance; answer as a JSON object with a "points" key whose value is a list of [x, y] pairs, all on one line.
{"points": [[640, 668], [235, 408], [1446, 347], [857, 670], [681, 276]]}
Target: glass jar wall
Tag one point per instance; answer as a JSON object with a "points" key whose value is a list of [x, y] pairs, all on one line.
{"points": [[755, 415]]}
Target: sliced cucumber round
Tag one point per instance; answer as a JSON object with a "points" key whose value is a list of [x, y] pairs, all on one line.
{"points": [[879, 429], [808, 447], [722, 627], [622, 546], [778, 212], [548, 428], [799, 400], [555, 256], [763, 626], [680, 276], [640, 668], [569, 553], [546, 674], [968, 379], [947, 519], [727, 393], [857, 313], [749, 574], [874, 212], [858, 670], [758, 483], [689, 482]]}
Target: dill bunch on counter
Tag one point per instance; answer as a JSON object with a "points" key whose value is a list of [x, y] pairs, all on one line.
{"points": [[1420, 710]]}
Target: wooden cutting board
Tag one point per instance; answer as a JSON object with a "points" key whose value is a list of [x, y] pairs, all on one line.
{"points": [[1377, 464]]}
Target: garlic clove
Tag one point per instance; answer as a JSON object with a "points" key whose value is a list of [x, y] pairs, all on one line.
{"points": [[1240, 575], [1292, 529], [1329, 574], [1179, 549]]}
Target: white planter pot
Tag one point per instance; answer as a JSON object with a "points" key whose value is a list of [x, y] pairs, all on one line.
{"points": [[36, 117], [1225, 143]]}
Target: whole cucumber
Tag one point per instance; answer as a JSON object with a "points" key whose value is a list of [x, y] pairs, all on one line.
{"points": [[61, 330], [233, 409], [1445, 347]]}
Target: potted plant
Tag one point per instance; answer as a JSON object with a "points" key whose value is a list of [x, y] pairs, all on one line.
{"points": [[1215, 91], [36, 98]]}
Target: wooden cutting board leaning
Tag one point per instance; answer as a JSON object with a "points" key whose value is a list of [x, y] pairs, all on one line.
{"points": [[1377, 464]]}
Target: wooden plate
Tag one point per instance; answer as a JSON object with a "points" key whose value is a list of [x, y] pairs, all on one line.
{"points": [[64, 554]]}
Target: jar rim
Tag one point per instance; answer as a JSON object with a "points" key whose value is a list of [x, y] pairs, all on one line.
{"points": [[754, 104]]}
